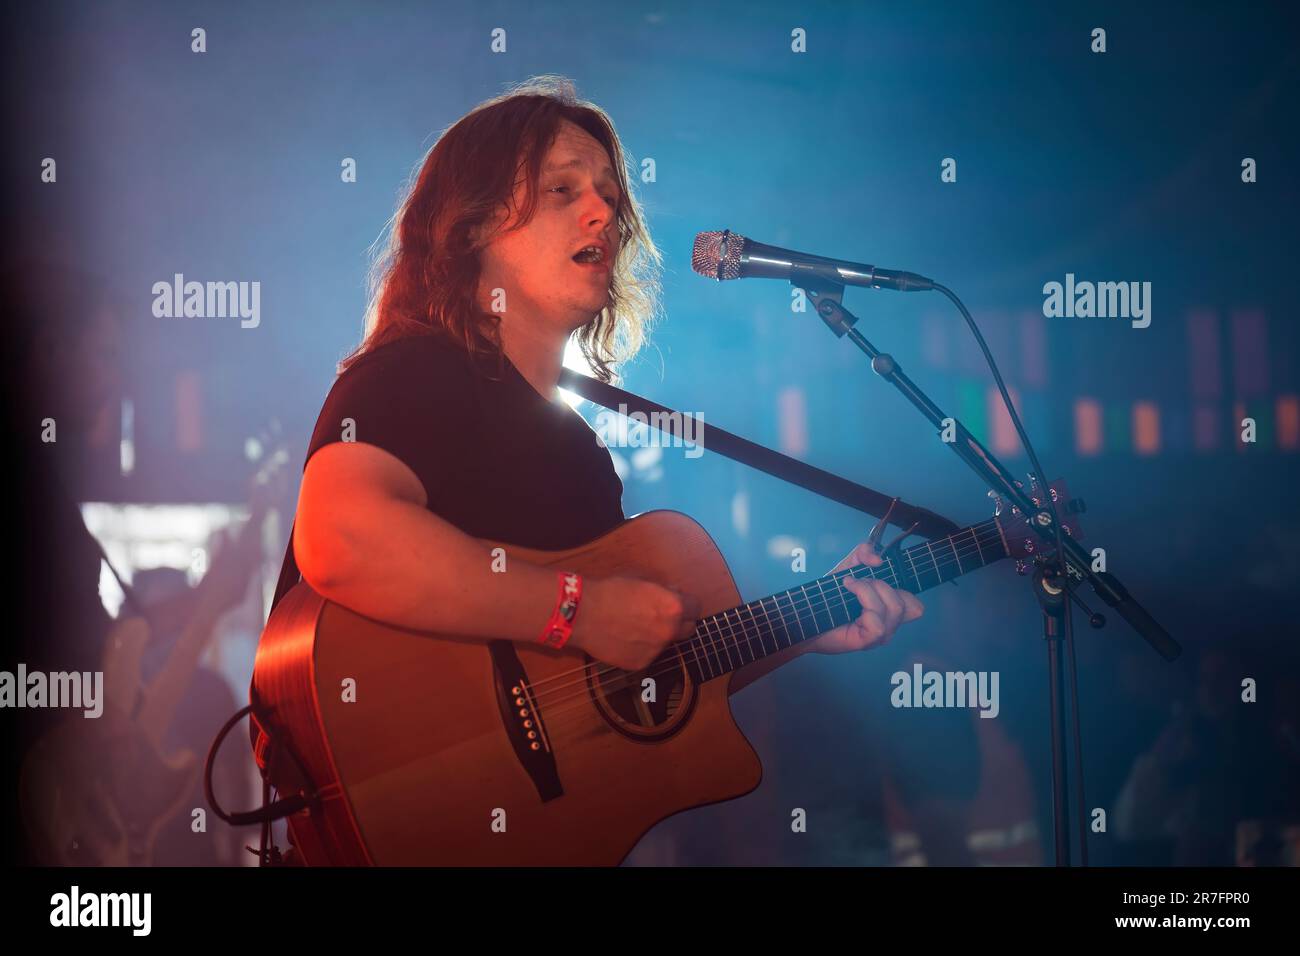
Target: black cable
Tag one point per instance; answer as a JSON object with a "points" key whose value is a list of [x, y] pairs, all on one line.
{"points": [[264, 842], [270, 810], [211, 761], [1063, 581]]}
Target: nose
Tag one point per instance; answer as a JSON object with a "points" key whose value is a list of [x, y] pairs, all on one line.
{"points": [[595, 211]]}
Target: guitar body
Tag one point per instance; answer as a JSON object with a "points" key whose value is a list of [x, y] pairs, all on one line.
{"points": [[420, 751], [100, 791], [96, 792]]}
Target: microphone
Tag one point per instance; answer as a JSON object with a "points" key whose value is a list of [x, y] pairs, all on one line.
{"points": [[725, 255]]}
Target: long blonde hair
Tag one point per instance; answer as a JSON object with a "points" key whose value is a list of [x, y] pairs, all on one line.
{"points": [[426, 281]]}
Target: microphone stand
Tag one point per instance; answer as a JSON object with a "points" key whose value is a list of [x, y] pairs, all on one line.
{"points": [[1052, 580]]}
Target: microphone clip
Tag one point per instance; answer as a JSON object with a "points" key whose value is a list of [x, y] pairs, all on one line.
{"points": [[827, 299]]}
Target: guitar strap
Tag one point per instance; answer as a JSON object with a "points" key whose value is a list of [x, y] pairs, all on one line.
{"points": [[819, 482], [875, 503]]}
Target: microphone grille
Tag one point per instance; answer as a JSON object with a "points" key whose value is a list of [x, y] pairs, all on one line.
{"points": [[717, 254]]}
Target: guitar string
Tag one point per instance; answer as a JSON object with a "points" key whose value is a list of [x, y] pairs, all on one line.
{"points": [[741, 633], [988, 533], [555, 727], [563, 717], [721, 641], [882, 571]]}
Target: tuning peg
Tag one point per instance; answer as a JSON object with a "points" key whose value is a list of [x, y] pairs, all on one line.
{"points": [[1037, 494], [997, 502], [1015, 509]]}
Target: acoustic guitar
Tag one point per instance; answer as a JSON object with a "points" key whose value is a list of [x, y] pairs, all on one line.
{"points": [[432, 749]]}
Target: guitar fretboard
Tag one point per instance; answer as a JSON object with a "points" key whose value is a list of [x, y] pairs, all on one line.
{"points": [[741, 635]]}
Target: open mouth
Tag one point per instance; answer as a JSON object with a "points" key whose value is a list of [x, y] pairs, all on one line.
{"points": [[591, 256]]}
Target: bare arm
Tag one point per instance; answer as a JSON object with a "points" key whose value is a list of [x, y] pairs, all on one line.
{"points": [[365, 539]]}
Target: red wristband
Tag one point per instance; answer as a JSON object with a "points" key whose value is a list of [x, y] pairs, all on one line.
{"points": [[559, 628]]}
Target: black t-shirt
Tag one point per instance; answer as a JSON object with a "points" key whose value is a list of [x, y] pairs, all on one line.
{"points": [[496, 459]]}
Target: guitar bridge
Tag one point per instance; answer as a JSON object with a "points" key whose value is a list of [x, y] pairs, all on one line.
{"points": [[522, 721]]}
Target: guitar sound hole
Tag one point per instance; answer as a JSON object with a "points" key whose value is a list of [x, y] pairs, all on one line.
{"points": [[647, 704]]}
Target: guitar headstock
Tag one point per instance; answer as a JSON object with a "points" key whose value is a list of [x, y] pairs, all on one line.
{"points": [[1022, 540], [268, 453]]}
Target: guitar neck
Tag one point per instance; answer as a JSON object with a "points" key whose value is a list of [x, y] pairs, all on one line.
{"points": [[169, 686], [741, 635]]}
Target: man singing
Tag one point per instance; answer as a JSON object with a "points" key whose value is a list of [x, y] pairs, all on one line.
{"points": [[445, 426]]}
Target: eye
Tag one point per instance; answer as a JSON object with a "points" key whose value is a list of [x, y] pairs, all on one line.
{"points": [[611, 200]]}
